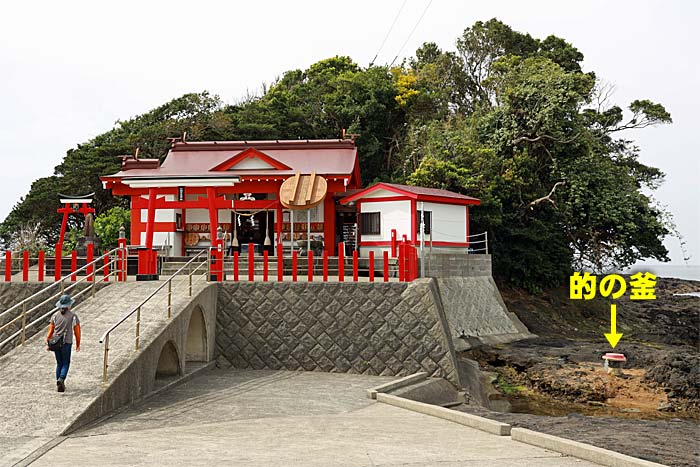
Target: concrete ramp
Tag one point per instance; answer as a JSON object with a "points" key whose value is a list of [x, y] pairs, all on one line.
{"points": [[32, 413], [476, 313]]}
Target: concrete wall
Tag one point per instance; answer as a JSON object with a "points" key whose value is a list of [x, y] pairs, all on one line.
{"points": [[378, 329], [476, 313], [443, 263]]}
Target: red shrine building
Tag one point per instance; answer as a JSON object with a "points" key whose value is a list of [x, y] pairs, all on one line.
{"points": [[227, 193], [177, 206]]}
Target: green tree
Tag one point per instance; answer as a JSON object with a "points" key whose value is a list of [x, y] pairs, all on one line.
{"points": [[108, 223]]}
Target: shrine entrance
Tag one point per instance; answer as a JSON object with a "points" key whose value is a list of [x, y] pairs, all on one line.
{"points": [[253, 227]]}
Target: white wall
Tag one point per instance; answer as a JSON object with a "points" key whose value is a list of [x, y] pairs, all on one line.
{"points": [[393, 215], [449, 222]]}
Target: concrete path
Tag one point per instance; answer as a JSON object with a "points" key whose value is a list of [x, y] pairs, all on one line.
{"points": [[268, 418], [31, 411]]}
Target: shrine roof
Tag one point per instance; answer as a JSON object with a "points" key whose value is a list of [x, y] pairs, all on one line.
{"points": [[380, 190], [250, 158]]}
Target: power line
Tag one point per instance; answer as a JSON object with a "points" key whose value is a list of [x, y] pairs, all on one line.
{"points": [[411, 33], [388, 32]]}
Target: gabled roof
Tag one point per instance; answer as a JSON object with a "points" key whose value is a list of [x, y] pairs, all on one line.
{"points": [[264, 162], [412, 192], [278, 158]]}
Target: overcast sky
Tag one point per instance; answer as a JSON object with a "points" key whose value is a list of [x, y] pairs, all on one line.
{"points": [[69, 70]]}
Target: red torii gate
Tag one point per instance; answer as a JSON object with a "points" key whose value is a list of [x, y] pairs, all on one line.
{"points": [[148, 259], [71, 205]]}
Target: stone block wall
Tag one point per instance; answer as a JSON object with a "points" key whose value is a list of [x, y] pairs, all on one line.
{"points": [[386, 329], [446, 264]]}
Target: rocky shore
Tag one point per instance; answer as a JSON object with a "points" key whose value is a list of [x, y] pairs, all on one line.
{"points": [[555, 383]]}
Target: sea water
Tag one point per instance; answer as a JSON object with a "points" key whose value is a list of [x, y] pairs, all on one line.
{"points": [[683, 271]]}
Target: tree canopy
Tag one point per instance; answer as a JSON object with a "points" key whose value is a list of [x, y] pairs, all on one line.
{"points": [[505, 117]]}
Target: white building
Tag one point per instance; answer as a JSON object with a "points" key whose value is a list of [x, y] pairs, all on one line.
{"points": [[389, 212]]}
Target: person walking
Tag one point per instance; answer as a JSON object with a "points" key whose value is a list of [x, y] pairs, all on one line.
{"points": [[64, 323]]}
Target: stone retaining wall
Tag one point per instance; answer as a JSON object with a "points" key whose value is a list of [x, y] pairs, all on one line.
{"points": [[446, 264], [386, 329]]}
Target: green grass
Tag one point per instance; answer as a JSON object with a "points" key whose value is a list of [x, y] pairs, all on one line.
{"points": [[509, 388]]}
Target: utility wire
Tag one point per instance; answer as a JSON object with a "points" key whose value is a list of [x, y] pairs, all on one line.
{"points": [[388, 32], [411, 33]]}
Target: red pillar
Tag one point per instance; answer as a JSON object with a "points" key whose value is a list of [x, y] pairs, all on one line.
{"points": [[251, 262], [294, 265], [280, 262], [355, 266], [329, 224], [325, 265], [151, 218], [25, 266], [40, 271], [393, 243], [8, 266], [65, 210], [341, 262], [106, 266], [385, 254], [265, 255], [235, 265], [371, 265], [148, 261], [310, 267], [58, 259]]}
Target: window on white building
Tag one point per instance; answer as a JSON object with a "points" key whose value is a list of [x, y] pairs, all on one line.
{"points": [[427, 220], [370, 223]]}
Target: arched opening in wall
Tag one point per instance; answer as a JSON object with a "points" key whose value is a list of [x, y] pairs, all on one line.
{"points": [[168, 362], [196, 337]]}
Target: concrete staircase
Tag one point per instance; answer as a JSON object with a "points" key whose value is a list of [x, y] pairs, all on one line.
{"points": [[32, 413]]}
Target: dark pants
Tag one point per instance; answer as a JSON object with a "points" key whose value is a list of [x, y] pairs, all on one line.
{"points": [[62, 361]]}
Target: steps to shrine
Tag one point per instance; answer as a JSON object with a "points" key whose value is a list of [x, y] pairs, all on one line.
{"points": [[33, 413]]}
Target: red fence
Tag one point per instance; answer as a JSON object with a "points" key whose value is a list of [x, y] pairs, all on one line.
{"points": [[22, 267], [316, 267]]}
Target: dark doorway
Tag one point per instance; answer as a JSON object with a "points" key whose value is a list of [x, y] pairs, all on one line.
{"points": [[251, 227]]}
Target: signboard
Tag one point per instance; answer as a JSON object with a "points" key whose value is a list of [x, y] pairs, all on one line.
{"points": [[181, 193]]}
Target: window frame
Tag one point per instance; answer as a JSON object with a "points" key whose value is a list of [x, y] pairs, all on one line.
{"points": [[364, 226], [428, 218]]}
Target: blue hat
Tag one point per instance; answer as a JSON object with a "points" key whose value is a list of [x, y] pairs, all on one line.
{"points": [[65, 301]]}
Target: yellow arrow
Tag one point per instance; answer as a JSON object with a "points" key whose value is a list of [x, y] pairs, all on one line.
{"points": [[613, 337]]}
